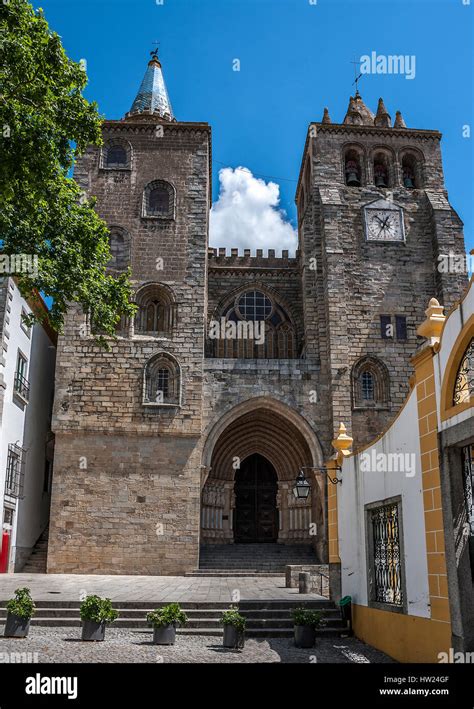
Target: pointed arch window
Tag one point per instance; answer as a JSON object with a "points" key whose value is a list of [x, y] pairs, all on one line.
{"points": [[159, 200], [370, 383], [257, 327], [464, 382], [157, 310], [367, 386], [162, 381]]}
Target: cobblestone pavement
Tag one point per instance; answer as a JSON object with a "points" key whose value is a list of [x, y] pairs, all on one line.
{"points": [[64, 645], [69, 587]]}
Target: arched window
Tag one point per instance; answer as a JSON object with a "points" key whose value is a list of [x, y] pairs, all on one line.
{"points": [[367, 386], [352, 168], [116, 154], [381, 170], [159, 200], [370, 383], [119, 249], [162, 381], [253, 325], [412, 177], [464, 382], [156, 313]]}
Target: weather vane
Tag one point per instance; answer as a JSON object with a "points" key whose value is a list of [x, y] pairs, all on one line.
{"points": [[154, 52], [358, 77]]}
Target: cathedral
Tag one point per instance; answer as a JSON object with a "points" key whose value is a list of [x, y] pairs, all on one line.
{"points": [[228, 386]]}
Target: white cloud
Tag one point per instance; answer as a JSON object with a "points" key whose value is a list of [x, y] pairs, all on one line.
{"points": [[246, 214]]}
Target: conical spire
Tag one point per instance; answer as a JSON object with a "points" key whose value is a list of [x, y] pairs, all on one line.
{"points": [[399, 122], [152, 97], [326, 116], [382, 119], [358, 113]]}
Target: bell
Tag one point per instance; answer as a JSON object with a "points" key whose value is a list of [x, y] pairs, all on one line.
{"points": [[352, 174], [408, 182], [352, 179], [380, 176]]}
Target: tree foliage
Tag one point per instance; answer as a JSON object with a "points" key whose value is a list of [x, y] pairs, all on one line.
{"points": [[45, 123]]}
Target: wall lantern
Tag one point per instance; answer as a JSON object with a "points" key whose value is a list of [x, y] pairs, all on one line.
{"points": [[301, 488]]}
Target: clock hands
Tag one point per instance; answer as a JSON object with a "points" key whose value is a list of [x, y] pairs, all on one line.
{"points": [[384, 224]]}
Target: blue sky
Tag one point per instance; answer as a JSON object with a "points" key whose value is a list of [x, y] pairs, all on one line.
{"points": [[295, 59]]}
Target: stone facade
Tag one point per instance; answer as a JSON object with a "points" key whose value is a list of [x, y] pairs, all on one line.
{"points": [[139, 484]]}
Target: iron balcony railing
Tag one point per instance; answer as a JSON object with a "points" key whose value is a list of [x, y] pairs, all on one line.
{"points": [[22, 386]]}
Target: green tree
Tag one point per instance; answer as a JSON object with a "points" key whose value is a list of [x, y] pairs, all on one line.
{"points": [[45, 123]]}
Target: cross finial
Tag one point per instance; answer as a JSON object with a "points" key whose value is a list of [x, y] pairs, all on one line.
{"points": [[358, 77]]}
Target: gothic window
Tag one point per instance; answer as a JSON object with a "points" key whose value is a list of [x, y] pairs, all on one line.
{"points": [[254, 305], [156, 310], [159, 200], [382, 170], [255, 326], [162, 381], [119, 250], [370, 383], [116, 155], [352, 168], [464, 383], [368, 386]]}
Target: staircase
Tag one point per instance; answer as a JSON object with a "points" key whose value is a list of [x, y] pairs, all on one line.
{"points": [[251, 559], [265, 619], [36, 564]]}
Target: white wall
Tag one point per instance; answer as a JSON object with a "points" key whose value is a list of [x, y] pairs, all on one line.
{"points": [[25, 424], [360, 488], [33, 509]]}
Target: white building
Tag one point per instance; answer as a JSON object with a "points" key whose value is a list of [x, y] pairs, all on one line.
{"points": [[401, 517], [27, 366]]}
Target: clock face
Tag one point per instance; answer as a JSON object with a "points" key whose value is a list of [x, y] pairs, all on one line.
{"points": [[384, 225]]}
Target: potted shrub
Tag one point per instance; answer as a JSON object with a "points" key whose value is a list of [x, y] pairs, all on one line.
{"points": [[95, 613], [20, 611], [234, 628], [306, 622], [164, 621]]}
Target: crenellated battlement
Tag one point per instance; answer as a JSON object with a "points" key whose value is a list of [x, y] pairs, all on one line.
{"points": [[221, 258]]}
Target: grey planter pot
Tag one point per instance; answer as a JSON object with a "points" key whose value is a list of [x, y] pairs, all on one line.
{"points": [[93, 631], [164, 635], [233, 638], [305, 636], [16, 627]]}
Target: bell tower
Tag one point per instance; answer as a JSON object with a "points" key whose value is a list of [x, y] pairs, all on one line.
{"points": [[136, 409], [374, 218]]}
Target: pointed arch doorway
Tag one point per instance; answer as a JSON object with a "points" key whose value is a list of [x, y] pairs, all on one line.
{"points": [[255, 490]]}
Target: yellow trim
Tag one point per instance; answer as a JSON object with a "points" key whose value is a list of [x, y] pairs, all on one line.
{"points": [[406, 638], [333, 531], [447, 409], [455, 306]]}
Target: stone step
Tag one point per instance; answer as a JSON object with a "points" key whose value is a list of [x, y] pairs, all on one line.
{"points": [[194, 614], [246, 606], [206, 628], [232, 573]]}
